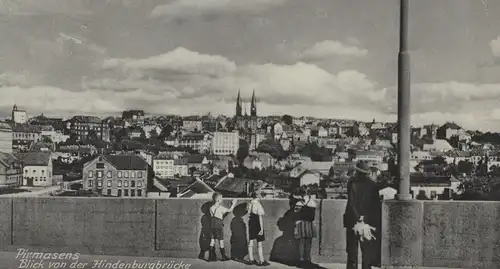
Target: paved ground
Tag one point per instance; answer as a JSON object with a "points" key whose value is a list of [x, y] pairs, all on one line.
{"points": [[8, 260]]}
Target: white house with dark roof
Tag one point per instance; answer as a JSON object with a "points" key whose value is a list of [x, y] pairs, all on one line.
{"points": [[117, 175], [37, 168]]}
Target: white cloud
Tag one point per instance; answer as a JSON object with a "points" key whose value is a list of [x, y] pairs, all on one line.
{"points": [[181, 9], [195, 82], [187, 82], [182, 74], [495, 47], [329, 48]]}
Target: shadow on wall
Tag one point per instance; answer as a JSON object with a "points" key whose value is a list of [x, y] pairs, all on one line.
{"points": [[239, 244], [285, 247], [205, 235]]}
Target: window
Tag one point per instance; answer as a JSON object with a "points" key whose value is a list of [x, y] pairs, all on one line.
{"points": [[109, 192], [126, 193], [126, 184], [126, 174], [90, 183], [139, 174], [132, 183], [132, 193], [99, 174], [139, 184], [119, 174], [99, 183], [119, 185], [36, 179], [99, 165], [109, 174], [91, 173], [25, 171], [109, 183], [132, 174], [119, 193]]}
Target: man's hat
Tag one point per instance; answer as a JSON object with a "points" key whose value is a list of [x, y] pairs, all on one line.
{"points": [[363, 167]]}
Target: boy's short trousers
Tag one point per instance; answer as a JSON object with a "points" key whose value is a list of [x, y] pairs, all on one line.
{"points": [[217, 233]]}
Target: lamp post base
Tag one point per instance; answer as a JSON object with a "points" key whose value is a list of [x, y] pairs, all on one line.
{"points": [[404, 197]]}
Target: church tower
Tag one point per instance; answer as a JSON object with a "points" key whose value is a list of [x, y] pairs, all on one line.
{"points": [[253, 106], [238, 105]]}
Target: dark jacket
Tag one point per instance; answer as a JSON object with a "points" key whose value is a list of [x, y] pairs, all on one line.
{"points": [[362, 200]]}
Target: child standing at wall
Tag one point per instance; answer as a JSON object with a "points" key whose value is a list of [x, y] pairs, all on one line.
{"points": [[217, 213], [256, 229], [305, 231]]}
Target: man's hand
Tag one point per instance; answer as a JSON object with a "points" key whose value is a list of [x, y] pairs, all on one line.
{"points": [[234, 201], [261, 232]]}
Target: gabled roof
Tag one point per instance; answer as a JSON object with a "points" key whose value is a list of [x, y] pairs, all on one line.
{"points": [[451, 125], [86, 119], [195, 158], [7, 159], [34, 158], [238, 185], [126, 162], [25, 128]]}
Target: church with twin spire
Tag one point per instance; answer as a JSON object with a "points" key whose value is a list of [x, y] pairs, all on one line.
{"points": [[246, 124]]}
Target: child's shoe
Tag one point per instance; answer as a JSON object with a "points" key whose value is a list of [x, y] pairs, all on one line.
{"points": [[223, 254], [212, 257]]}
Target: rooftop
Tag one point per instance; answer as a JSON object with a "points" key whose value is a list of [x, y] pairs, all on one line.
{"points": [[34, 158], [127, 162]]}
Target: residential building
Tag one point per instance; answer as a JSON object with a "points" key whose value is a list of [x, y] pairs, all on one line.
{"points": [[19, 116], [133, 117], [433, 187], [37, 168], [196, 141], [225, 143], [23, 135], [117, 175], [167, 166], [192, 124], [56, 123], [84, 126], [450, 129], [11, 170], [6, 137], [299, 121], [54, 136], [438, 145]]}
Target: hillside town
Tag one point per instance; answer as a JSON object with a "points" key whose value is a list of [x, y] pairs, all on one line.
{"points": [[140, 155]]}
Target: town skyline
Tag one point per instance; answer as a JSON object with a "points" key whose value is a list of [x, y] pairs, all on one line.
{"points": [[104, 57]]}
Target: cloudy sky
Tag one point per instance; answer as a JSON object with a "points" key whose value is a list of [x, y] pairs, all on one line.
{"points": [[330, 58]]}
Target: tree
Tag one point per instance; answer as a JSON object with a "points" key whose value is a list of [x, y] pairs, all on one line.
{"points": [[465, 167], [287, 119], [273, 148], [166, 131], [46, 140], [243, 151]]}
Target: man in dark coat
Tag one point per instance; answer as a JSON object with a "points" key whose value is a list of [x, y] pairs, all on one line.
{"points": [[363, 204]]}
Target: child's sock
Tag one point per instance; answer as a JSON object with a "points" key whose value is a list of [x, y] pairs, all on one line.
{"points": [[261, 252], [211, 255], [223, 254]]}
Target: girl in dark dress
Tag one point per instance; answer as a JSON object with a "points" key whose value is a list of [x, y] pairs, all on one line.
{"points": [[305, 230], [256, 229]]}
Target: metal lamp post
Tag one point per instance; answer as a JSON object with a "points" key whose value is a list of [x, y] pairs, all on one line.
{"points": [[404, 127]]}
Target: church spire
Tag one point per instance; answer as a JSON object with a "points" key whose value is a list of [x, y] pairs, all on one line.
{"points": [[253, 107], [238, 105]]}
